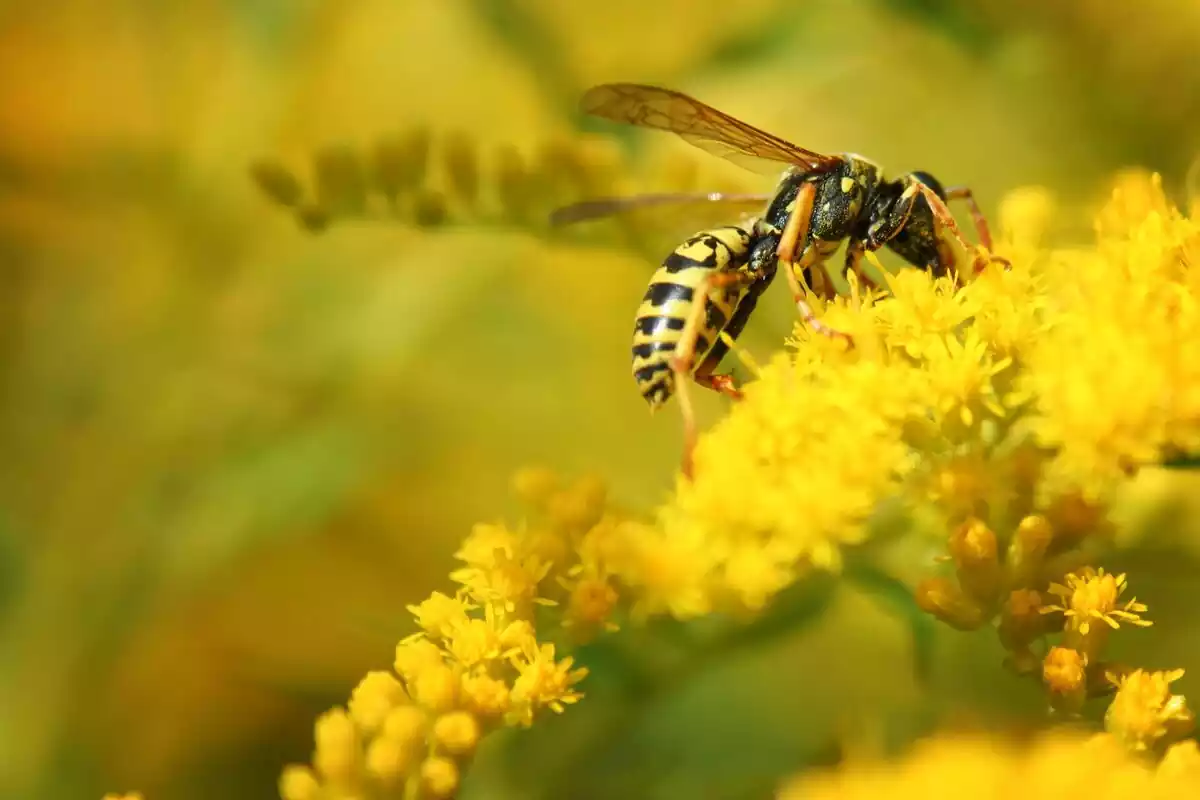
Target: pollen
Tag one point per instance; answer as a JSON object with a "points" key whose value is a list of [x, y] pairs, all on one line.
{"points": [[847, 184]]}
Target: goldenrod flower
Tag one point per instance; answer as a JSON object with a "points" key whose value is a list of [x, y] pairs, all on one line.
{"points": [[506, 577], [374, 698], [1092, 595], [946, 601], [477, 641], [1018, 396], [544, 682], [439, 777], [299, 783], [1054, 766], [1109, 380], [786, 478], [477, 661], [487, 697], [1008, 410], [1181, 761], [457, 732], [1022, 624], [591, 601], [338, 754], [1145, 712], [440, 615], [1064, 672]]}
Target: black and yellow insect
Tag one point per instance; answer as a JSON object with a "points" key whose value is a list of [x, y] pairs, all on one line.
{"points": [[711, 283]]}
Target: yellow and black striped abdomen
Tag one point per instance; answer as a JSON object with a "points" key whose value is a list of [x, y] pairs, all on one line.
{"points": [[670, 298]]}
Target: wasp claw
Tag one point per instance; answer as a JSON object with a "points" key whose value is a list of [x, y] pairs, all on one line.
{"points": [[983, 260]]}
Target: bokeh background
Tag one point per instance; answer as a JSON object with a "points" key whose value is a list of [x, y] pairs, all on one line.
{"points": [[235, 448]]}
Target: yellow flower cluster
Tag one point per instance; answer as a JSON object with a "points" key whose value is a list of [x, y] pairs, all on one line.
{"points": [[481, 659], [1016, 403], [1112, 380], [1055, 766]]}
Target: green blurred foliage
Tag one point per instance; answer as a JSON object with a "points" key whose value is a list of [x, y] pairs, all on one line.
{"points": [[237, 450]]}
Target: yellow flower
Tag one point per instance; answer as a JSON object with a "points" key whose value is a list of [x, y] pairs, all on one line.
{"points": [[544, 682], [1019, 392], [510, 580], [487, 697], [476, 641], [1055, 766], [1111, 386], [961, 373], [1064, 672], [298, 783], [415, 655], [1091, 595], [338, 753], [485, 543], [1145, 712], [457, 733], [591, 600], [784, 474], [667, 569], [374, 698], [440, 777], [440, 615], [1181, 762]]}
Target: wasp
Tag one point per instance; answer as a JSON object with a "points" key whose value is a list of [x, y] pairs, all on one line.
{"points": [[710, 284]]}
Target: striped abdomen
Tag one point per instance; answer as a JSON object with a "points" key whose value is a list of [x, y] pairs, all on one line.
{"points": [[670, 298]]}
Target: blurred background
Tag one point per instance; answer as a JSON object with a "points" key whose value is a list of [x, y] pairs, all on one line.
{"points": [[236, 447]]}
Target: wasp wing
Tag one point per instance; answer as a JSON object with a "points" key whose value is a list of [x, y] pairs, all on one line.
{"points": [[612, 206], [700, 124]]}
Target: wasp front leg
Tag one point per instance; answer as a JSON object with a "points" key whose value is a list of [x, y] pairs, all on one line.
{"points": [[946, 221], [982, 230], [793, 237]]}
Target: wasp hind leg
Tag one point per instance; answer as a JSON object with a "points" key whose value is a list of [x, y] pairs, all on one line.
{"points": [[946, 221], [685, 354]]}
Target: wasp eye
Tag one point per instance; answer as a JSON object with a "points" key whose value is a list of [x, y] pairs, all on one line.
{"points": [[931, 182]]}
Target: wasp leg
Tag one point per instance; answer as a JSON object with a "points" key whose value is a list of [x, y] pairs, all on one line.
{"points": [[946, 220], [795, 236], [795, 230], [795, 233], [721, 384], [853, 263], [704, 374], [685, 353], [965, 194]]}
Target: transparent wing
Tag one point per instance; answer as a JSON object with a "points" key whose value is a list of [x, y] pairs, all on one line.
{"points": [[612, 206], [700, 124]]}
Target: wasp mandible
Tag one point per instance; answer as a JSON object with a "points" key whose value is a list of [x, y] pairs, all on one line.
{"points": [[711, 283]]}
